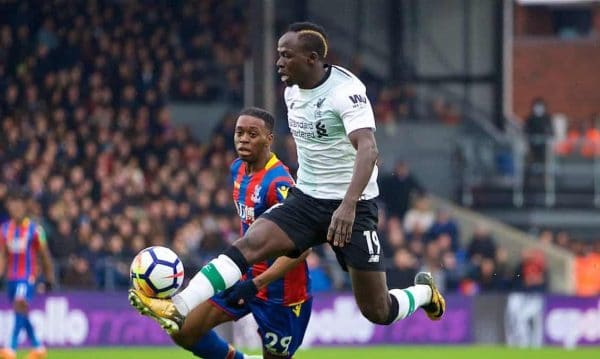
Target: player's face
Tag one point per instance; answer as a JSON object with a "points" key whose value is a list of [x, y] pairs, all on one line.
{"points": [[294, 62], [252, 138], [16, 208]]}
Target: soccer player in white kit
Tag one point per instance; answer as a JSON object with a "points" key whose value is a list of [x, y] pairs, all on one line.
{"points": [[332, 122]]}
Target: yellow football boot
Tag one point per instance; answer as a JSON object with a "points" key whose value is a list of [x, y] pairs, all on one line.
{"points": [[38, 353], [6, 353], [161, 310], [435, 309]]}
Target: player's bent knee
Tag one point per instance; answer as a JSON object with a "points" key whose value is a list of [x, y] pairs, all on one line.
{"points": [[374, 313], [264, 239], [20, 305], [183, 340]]}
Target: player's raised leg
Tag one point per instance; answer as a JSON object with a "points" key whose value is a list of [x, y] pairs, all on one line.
{"points": [[361, 256], [437, 305], [262, 241], [383, 306]]}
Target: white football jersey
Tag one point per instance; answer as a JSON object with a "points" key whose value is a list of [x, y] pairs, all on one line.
{"points": [[320, 120]]}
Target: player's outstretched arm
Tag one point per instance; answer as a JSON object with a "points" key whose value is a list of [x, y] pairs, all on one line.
{"points": [[278, 269], [246, 290], [340, 229], [47, 266], [46, 258]]}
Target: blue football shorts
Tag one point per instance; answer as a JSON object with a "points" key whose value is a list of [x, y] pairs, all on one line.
{"points": [[281, 327], [20, 289]]}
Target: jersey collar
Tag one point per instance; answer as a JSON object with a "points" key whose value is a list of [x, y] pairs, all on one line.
{"points": [[322, 81], [272, 162], [24, 222]]}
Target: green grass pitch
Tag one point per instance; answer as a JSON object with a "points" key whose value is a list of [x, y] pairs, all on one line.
{"points": [[399, 352]]}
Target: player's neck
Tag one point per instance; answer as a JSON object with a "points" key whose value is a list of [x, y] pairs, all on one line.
{"points": [[18, 220], [316, 78], [259, 164]]}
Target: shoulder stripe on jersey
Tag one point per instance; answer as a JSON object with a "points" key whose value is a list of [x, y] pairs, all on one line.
{"points": [[272, 162], [342, 71]]}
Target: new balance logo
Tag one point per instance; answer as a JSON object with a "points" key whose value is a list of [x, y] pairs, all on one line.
{"points": [[374, 258], [356, 99], [321, 130]]}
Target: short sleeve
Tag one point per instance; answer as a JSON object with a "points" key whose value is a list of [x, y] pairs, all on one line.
{"points": [[39, 237], [353, 107]]}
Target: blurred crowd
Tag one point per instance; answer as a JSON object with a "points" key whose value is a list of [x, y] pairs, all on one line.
{"points": [[399, 102], [587, 259], [419, 238], [567, 137], [85, 130], [124, 53]]}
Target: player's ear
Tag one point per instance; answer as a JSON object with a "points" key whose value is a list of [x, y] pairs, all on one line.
{"points": [[270, 138], [313, 57]]}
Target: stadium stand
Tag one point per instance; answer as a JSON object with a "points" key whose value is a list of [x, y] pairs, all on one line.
{"points": [[87, 131]]}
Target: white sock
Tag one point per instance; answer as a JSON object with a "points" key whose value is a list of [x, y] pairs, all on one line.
{"points": [[219, 274], [410, 299]]}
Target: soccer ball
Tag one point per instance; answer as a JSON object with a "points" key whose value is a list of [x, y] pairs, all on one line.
{"points": [[157, 272]]}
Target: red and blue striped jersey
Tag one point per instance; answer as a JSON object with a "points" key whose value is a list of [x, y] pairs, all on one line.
{"points": [[22, 241], [253, 194]]}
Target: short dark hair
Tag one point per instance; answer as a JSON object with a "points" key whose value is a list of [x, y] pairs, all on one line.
{"points": [[17, 193], [260, 113], [312, 35]]}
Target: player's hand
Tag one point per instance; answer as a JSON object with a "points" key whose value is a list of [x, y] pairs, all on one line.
{"points": [[340, 228], [241, 293], [48, 286], [44, 287]]}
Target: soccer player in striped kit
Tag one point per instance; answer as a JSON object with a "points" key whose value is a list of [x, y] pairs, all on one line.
{"points": [[279, 289], [22, 240]]}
